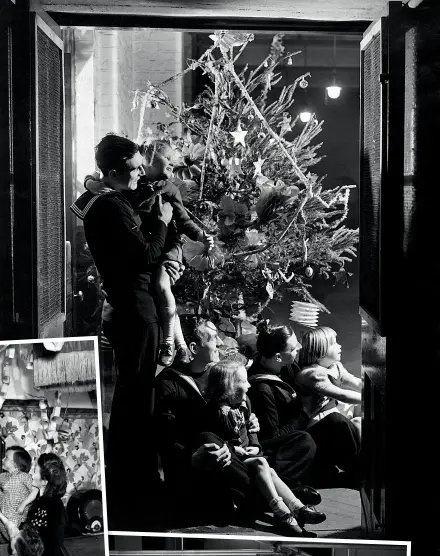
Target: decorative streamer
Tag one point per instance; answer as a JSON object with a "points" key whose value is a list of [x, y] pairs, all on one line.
{"points": [[209, 137]]}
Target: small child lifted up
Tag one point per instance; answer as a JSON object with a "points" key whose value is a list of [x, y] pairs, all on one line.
{"points": [[16, 486], [158, 180]]}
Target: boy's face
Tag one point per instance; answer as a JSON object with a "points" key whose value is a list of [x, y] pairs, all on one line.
{"points": [[8, 461]]}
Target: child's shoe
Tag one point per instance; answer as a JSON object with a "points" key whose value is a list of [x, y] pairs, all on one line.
{"points": [[308, 514], [166, 354], [287, 526], [182, 355]]}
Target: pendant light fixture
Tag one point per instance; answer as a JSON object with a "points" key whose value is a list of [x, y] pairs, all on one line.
{"points": [[334, 90]]}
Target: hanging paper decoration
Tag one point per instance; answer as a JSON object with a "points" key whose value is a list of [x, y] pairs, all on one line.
{"points": [[305, 313], [72, 369]]}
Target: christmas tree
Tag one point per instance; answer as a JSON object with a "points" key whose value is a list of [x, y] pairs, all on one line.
{"points": [[250, 183]]}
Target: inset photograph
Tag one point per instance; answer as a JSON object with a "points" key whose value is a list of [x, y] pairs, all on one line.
{"points": [[180, 546], [51, 466]]}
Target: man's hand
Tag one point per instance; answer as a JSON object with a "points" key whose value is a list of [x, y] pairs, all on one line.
{"points": [[174, 270], [164, 211], [239, 451], [252, 450], [254, 424], [210, 456]]}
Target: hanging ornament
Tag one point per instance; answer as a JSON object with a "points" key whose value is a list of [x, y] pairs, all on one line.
{"points": [[251, 116], [265, 64], [258, 166], [235, 167], [303, 83], [309, 272], [304, 313], [285, 125], [290, 62], [262, 135], [239, 135]]}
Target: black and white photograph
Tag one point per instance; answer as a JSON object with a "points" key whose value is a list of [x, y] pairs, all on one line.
{"points": [[183, 546], [237, 203], [51, 476]]}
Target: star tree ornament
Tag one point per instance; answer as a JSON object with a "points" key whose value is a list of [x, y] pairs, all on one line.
{"points": [[258, 166], [239, 135]]}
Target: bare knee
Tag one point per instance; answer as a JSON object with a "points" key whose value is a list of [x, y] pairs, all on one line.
{"points": [[259, 464], [273, 473]]}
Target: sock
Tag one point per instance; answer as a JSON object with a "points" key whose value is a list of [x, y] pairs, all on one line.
{"points": [[178, 334], [295, 505], [278, 506], [168, 325]]}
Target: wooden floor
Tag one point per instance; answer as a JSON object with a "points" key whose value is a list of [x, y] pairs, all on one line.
{"points": [[341, 505]]}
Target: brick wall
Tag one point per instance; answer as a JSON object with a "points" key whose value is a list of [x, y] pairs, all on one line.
{"points": [[157, 55]]}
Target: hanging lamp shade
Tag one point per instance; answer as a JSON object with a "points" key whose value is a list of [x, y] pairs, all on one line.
{"points": [[69, 369], [305, 313]]}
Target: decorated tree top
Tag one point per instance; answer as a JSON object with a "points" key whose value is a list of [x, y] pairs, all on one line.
{"points": [[250, 164]]}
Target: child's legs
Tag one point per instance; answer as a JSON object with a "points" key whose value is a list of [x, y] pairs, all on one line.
{"points": [[178, 334], [284, 491], [166, 304], [265, 484]]}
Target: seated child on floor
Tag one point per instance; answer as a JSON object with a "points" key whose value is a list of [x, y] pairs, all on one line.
{"points": [[158, 180], [16, 487], [229, 418], [323, 382]]}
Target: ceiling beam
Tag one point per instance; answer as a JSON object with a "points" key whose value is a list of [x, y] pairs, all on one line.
{"points": [[194, 24]]}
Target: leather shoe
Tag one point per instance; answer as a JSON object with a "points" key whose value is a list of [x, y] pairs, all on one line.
{"points": [[308, 495], [308, 514]]}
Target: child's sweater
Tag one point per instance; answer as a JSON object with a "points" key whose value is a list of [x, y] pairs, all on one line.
{"points": [[232, 425]]}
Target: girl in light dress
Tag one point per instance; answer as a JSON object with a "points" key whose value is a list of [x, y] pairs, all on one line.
{"points": [[323, 382]]}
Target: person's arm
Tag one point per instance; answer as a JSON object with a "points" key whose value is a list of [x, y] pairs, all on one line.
{"points": [[350, 381], [318, 381], [253, 436], [116, 219], [94, 184], [264, 405], [33, 494]]}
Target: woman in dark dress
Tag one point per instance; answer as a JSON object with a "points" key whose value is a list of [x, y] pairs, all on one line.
{"points": [[279, 408], [46, 517]]}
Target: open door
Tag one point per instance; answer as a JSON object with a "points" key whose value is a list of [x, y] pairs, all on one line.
{"points": [[36, 235], [399, 275]]}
